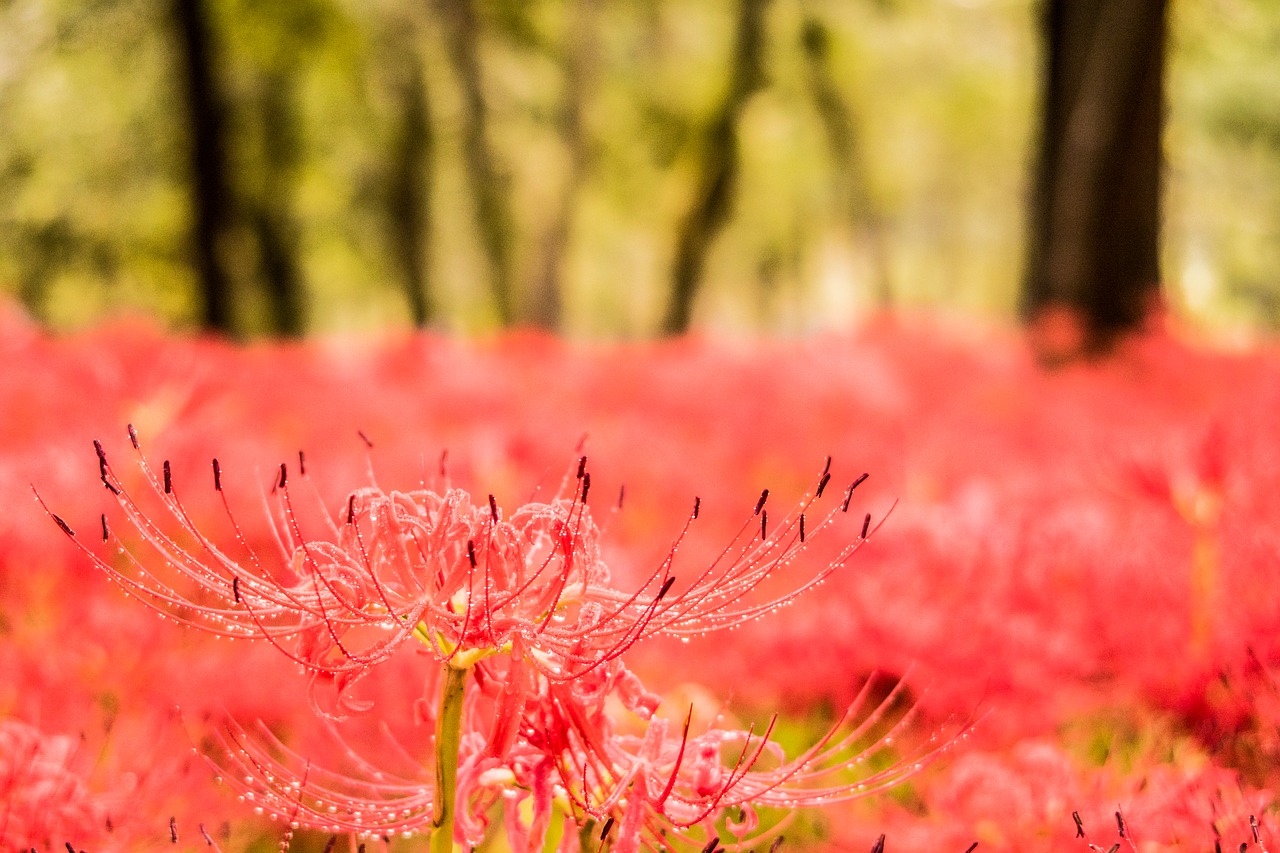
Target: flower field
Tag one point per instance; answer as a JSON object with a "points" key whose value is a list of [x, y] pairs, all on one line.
{"points": [[1064, 604]]}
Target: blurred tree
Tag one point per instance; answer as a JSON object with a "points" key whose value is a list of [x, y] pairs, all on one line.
{"points": [[211, 197], [844, 140], [546, 300], [717, 177], [1093, 258], [409, 185], [488, 186], [271, 219]]}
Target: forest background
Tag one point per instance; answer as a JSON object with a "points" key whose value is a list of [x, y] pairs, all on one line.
{"points": [[472, 166]]}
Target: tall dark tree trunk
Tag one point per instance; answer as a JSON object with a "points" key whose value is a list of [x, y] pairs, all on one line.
{"points": [[488, 186], [409, 190], [1093, 256], [210, 192], [272, 222], [718, 174]]}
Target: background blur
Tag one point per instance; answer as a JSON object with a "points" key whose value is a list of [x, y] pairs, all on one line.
{"points": [[384, 163]]}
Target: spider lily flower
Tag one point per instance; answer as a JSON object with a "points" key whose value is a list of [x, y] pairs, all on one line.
{"points": [[665, 788], [44, 797], [445, 570], [568, 768]]}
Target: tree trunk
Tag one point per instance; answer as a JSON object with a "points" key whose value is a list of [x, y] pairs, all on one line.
{"points": [[1093, 255], [273, 223], [409, 191], [718, 175], [210, 195]]}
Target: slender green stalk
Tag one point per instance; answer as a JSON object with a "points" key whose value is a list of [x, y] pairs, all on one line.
{"points": [[448, 739]]}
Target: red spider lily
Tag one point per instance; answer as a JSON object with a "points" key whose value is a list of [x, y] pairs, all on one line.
{"points": [[662, 790], [44, 798], [34, 780], [447, 571]]}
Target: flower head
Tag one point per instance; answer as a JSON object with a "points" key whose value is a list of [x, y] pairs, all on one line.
{"points": [[453, 573]]}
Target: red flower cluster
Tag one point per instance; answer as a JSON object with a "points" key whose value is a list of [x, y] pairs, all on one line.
{"points": [[1087, 554]]}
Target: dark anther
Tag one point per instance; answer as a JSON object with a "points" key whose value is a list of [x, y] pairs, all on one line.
{"points": [[1114, 848], [1243, 846], [1253, 825], [666, 586], [697, 504], [133, 437], [712, 844], [971, 847], [235, 588], [65, 527], [217, 476], [302, 464], [858, 482], [106, 534], [360, 849], [1120, 823], [493, 508], [1079, 824], [351, 508], [208, 839], [866, 525], [173, 830], [582, 466], [333, 842], [284, 475], [102, 458], [878, 847], [764, 524], [471, 553], [168, 478], [826, 469], [70, 849], [848, 496], [111, 487], [1217, 845], [608, 825], [777, 842], [822, 484], [622, 494], [444, 462], [802, 527], [586, 486], [764, 496], [365, 439]]}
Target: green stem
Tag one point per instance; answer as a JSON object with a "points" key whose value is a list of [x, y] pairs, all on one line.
{"points": [[448, 739]]}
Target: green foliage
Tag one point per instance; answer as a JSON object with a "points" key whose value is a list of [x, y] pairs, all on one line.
{"points": [[918, 201]]}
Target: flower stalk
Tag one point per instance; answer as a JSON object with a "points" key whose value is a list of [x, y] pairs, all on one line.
{"points": [[448, 740]]}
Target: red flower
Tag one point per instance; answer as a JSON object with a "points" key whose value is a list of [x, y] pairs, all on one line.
{"points": [[447, 571]]}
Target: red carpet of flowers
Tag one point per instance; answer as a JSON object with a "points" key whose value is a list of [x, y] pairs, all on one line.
{"points": [[1086, 560]]}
